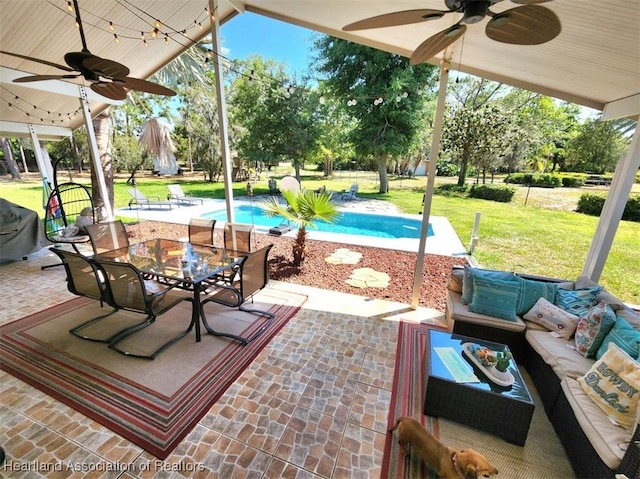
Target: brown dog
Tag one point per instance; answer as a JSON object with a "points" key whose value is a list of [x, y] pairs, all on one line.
{"points": [[448, 463]]}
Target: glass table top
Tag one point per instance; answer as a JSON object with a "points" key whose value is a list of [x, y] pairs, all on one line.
{"points": [[453, 344]]}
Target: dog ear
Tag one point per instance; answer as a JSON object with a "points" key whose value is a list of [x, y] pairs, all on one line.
{"points": [[471, 472]]}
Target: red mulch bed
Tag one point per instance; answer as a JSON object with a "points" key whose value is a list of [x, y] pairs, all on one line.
{"points": [[316, 272]]}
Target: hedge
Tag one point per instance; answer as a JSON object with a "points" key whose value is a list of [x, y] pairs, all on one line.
{"points": [[592, 204], [502, 194]]}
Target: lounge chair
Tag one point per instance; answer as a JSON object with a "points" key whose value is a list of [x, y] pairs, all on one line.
{"points": [[137, 198], [176, 193], [351, 194]]}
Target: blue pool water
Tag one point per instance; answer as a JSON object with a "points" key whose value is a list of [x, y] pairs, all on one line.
{"points": [[380, 226]]}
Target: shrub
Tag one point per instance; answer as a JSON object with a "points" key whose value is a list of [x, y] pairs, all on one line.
{"points": [[572, 182], [592, 204], [543, 180], [502, 194], [450, 188]]}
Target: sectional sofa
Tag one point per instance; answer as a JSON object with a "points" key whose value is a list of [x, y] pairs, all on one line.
{"points": [[580, 346]]}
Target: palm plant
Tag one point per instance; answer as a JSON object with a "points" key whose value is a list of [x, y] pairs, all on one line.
{"points": [[302, 208]]}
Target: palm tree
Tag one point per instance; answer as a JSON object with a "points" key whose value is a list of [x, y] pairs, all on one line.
{"points": [[303, 208]]}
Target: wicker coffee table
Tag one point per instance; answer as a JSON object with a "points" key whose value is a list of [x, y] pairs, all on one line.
{"points": [[504, 411]]}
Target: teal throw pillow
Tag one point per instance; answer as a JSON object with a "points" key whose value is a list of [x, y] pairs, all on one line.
{"points": [[495, 297], [531, 291], [624, 336], [470, 273], [577, 301], [593, 328]]}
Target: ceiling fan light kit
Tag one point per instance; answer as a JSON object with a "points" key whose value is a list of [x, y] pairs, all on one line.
{"points": [[528, 24], [106, 77]]}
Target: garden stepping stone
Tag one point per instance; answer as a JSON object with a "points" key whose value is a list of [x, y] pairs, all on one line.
{"points": [[343, 256], [368, 278]]}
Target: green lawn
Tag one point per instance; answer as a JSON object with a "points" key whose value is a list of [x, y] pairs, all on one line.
{"points": [[547, 240]]}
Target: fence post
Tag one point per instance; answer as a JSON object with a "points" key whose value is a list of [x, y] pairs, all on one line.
{"points": [[474, 233]]}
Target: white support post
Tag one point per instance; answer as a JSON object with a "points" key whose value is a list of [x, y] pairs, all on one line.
{"points": [[222, 110], [431, 176], [95, 154], [474, 233], [614, 206], [44, 164]]}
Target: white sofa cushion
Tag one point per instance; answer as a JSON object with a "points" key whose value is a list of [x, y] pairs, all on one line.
{"points": [[559, 353], [609, 441]]}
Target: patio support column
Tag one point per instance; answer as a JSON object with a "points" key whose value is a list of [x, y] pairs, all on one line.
{"points": [[431, 174], [612, 210], [42, 159], [222, 110], [95, 154]]}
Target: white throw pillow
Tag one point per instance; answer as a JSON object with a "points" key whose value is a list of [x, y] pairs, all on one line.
{"points": [[553, 318]]}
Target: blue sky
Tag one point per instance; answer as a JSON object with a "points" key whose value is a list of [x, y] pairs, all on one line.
{"points": [[249, 34]]}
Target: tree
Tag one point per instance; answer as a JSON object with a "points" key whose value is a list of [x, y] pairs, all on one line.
{"points": [[284, 126], [358, 77], [12, 166], [597, 148], [303, 208]]}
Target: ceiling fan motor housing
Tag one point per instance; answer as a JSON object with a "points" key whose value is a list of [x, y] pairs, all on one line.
{"points": [[473, 10]]}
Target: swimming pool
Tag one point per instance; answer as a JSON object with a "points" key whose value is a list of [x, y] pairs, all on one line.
{"points": [[364, 224]]}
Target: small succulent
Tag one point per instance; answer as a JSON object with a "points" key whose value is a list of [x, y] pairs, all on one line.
{"points": [[502, 361]]}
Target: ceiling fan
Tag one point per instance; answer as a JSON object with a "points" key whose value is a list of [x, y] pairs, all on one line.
{"points": [[527, 24], [107, 77]]}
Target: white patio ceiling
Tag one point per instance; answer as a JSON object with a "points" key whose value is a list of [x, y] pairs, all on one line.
{"points": [[595, 61]]}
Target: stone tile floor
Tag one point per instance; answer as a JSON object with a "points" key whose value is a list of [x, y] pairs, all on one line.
{"points": [[313, 404]]}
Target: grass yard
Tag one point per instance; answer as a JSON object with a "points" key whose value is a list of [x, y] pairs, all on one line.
{"points": [[537, 233]]}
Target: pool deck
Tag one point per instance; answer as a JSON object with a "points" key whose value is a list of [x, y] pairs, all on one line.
{"points": [[445, 240]]}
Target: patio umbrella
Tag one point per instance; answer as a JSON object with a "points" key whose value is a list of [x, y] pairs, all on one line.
{"points": [[156, 139]]}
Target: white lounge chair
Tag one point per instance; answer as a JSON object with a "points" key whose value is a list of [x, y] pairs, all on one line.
{"points": [[351, 194], [176, 193], [137, 198]]}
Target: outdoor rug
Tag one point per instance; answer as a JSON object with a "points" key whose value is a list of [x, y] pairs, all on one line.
{"points": [[542, 456], [406, 400], [154, 404]]}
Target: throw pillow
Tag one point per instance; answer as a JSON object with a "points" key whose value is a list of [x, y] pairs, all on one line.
{"points": [[547, 314], [613, 383], [577, 301], [593, 328], [625, 336], [531, 290], [470, 273], [495, 297], [455, 282]]}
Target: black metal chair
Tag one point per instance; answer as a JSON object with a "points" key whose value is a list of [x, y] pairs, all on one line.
{"points": [[85, 279], [252, 276], [107, 236], [131, 292], [201, 231], [238, 237], [68, 209]]}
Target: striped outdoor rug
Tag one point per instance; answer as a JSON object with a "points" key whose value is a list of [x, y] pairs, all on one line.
{"points": [[406, 400], [154, 404]]}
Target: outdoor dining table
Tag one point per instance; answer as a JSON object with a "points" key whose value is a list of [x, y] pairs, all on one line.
{"points": [[186, 265]]}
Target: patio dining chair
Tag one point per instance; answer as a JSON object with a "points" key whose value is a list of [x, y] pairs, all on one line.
{"points": [[107, 236], [252, 277], [176, 193], [138, 198], [201, 231], [238, 237], [131, 292], [84, 278]]}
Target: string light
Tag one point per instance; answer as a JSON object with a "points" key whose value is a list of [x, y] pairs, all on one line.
{"points": [[111, 26], [69, 6], [115, 38]]}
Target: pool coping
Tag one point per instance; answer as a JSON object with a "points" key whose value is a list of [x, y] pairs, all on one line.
{"points": [[445, 240]]}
